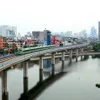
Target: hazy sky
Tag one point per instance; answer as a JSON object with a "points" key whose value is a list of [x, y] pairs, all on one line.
{"points": [[55, 15]]}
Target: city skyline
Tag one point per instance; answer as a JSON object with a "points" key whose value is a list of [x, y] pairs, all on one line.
{"points": [[62, 15], [6, 31]]}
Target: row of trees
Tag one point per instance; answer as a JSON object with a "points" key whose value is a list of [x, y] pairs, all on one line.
{"points": [[6, 51], [8, 48], [96, 47]]}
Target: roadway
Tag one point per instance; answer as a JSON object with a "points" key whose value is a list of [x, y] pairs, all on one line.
{"points": [[22, 58]]}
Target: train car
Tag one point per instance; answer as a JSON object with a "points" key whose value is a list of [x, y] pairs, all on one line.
{"points": [[33, 49]]}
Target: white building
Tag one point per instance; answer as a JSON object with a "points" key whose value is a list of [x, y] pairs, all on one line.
{"points": [[76, 35], [83, 34], [8, 31], [68, 34], [19, 36]]}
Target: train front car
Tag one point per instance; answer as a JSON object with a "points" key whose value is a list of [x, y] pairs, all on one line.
{"points": [[19, 52]]}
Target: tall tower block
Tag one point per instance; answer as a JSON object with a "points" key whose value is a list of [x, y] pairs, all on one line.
{"points": [[99, 30]]}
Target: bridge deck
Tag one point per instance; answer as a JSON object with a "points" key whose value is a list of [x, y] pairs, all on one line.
{"points": [[22, 58]]}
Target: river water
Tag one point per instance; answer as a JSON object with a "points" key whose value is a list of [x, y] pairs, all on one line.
{"points": [[78, 84]]}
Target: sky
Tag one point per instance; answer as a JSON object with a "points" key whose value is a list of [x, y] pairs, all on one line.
{"points": [[54, 15]]}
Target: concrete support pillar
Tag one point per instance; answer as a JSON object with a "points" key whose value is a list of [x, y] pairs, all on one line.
{"points": [[25, 86], [41, 69], [25, 77], [25, 69], [81, 52], [70, 56], [63, 59], [4, 86], [76, 55], [53, 64], [81, 57]]}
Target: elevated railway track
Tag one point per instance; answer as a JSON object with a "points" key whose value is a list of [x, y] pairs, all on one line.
{"points": [[8, 63], [7, 58]]}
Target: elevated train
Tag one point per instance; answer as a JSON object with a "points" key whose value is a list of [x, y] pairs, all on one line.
{"points": [[34, 49]]}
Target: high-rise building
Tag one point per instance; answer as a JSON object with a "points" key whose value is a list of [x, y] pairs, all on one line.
{"points": [[83, 34], [40, 35], [99, 31], [8, 31], [19, 36], [93, 33]]}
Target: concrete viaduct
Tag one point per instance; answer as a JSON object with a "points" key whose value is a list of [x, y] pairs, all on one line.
{"points": [[62, 52]]}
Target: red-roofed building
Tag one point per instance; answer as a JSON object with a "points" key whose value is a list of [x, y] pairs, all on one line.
{"points": [[29, 42], [1, 42]]}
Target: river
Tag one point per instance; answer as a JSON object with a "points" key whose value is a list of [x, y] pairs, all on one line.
{"points": [[77, 84]]}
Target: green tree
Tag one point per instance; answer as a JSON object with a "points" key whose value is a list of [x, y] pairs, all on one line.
{"points": [[96, 47], [1, 51]]}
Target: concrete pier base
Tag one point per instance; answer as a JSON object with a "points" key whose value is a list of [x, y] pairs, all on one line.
{"points": [[5, 96], [4, 85], [53, 69], [81, 57], [70, 56], [82, 51], [76, 55], [76, 59], [63, 65], [41, 69], [25, 85], [63, 60], [25, 79], [53, 64], [40, 75], [70, 60]]}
